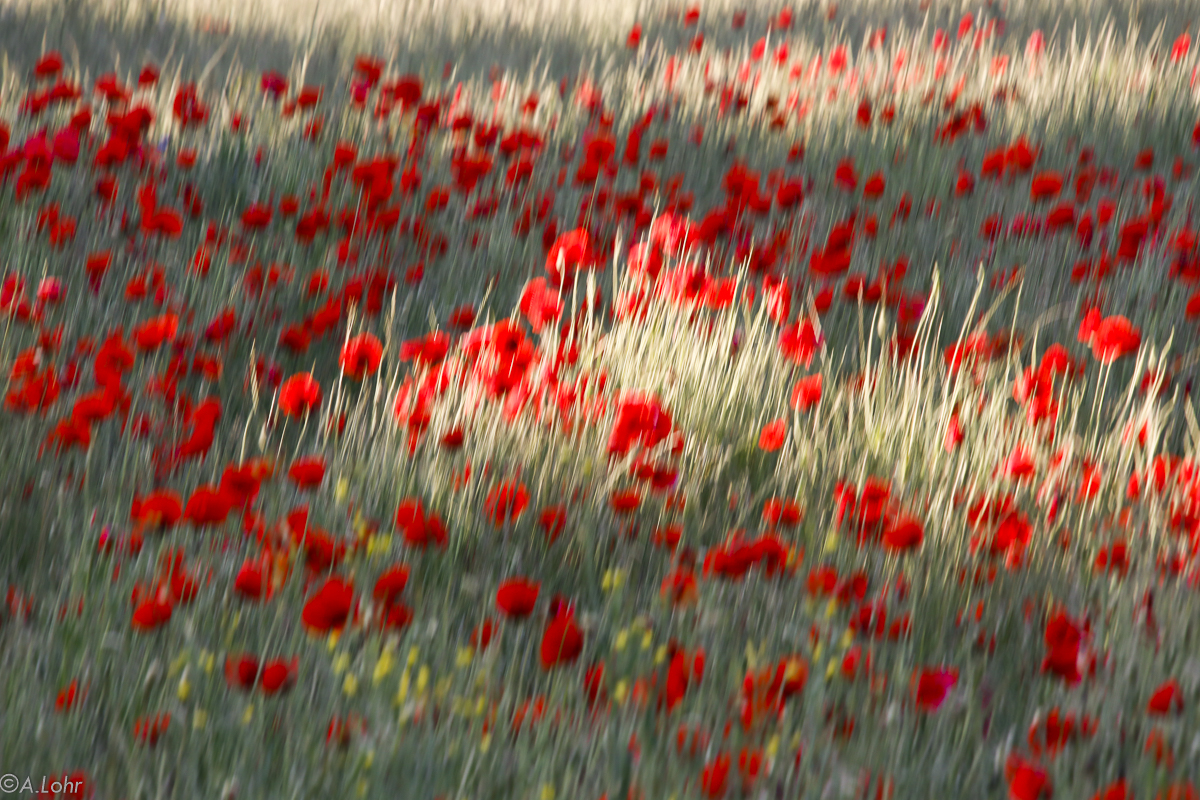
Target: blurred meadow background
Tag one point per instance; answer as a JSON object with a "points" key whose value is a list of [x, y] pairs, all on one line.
{"points": [[633, 400]]}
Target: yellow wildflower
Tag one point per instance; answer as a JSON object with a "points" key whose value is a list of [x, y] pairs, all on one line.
{"points": [[383, 667], [422, 679], [402, 692]]}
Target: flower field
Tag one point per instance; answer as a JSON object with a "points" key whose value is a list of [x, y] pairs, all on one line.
{"points": [[662, 401]]}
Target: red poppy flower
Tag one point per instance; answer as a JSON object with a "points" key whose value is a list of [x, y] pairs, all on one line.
{"points": [[481, 636], [903, 535], [680, 587], [678, 677], [570, 252], [274, 84], [625, 501], [540, 304], [250, 581], [419, 529], [1035, 46], [396, 617], [799, 342], [1180, 790], [505, 503], [552, 521], [845, 176], [241, 672], [241, 484], [48, 65], [1045, 186], [299, 395], [1114, 338], [390, 585], [189, 111], [307, 472], [405, 90], [1051, 734], [874, 186], [430, 349], [97, 406], [453, 439], [772, 436], [517, 597], [148, 730], [714, 779], [165, 221], [641, 419], [183, 587], [67, 697], [1180, 47], [806, 393], [278, 675], [150, 614], [462, 317], [1026, 779], [1117, 790], [369, 67], [160, 509], [593, 684], [256, 216], [782, 512], [562, 641], [361, 356], [1064, 644], [208, 505], [671, 233], [329, 608], [152, 333], [931, 686], [1167, 699], [148, 76]]}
